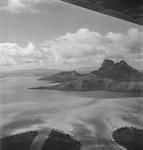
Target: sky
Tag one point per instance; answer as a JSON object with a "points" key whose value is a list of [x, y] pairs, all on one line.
{"points": [[56, 35]]}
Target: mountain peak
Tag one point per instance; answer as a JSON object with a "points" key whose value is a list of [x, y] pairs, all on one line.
{"points": [[107, 62], [118, 71], [122, 62]]}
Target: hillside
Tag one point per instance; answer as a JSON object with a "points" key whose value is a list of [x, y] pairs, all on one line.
{"points": [[94, 83], [63, 76]]}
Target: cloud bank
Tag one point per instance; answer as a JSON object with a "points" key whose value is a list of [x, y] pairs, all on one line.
{"points": [[84, 48], [18, 6], [89, 48]]}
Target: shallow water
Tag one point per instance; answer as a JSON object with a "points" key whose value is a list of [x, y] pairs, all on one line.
{"points": [[90, 116]]}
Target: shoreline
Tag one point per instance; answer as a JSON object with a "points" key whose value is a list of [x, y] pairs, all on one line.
{"points": [[139, 94]]}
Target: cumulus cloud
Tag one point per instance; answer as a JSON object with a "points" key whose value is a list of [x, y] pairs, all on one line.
{"points": [[13, 54], [89, 47], [17, 6], [83, 48]]}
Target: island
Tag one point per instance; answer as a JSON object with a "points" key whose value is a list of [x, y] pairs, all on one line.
{"points": [[56, 140], [129, 137], [61, 141], [111, 76], [21, 141]]}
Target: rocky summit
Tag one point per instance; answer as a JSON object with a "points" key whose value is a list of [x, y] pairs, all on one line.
{"points": [[118, 71]]}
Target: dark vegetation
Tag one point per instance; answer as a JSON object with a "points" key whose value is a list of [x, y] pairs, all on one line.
{"points": [[21, 141], [61, 141], [129, 137], [57, 140]]}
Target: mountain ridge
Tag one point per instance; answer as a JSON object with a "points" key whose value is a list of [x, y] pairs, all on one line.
{"points": [[63, 76], [119, 77]]}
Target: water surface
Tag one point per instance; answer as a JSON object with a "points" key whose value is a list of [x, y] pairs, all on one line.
{"points": [[90, 116]]}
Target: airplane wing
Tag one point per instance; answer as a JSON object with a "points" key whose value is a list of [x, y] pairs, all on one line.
{"points": [[129, 10]]}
